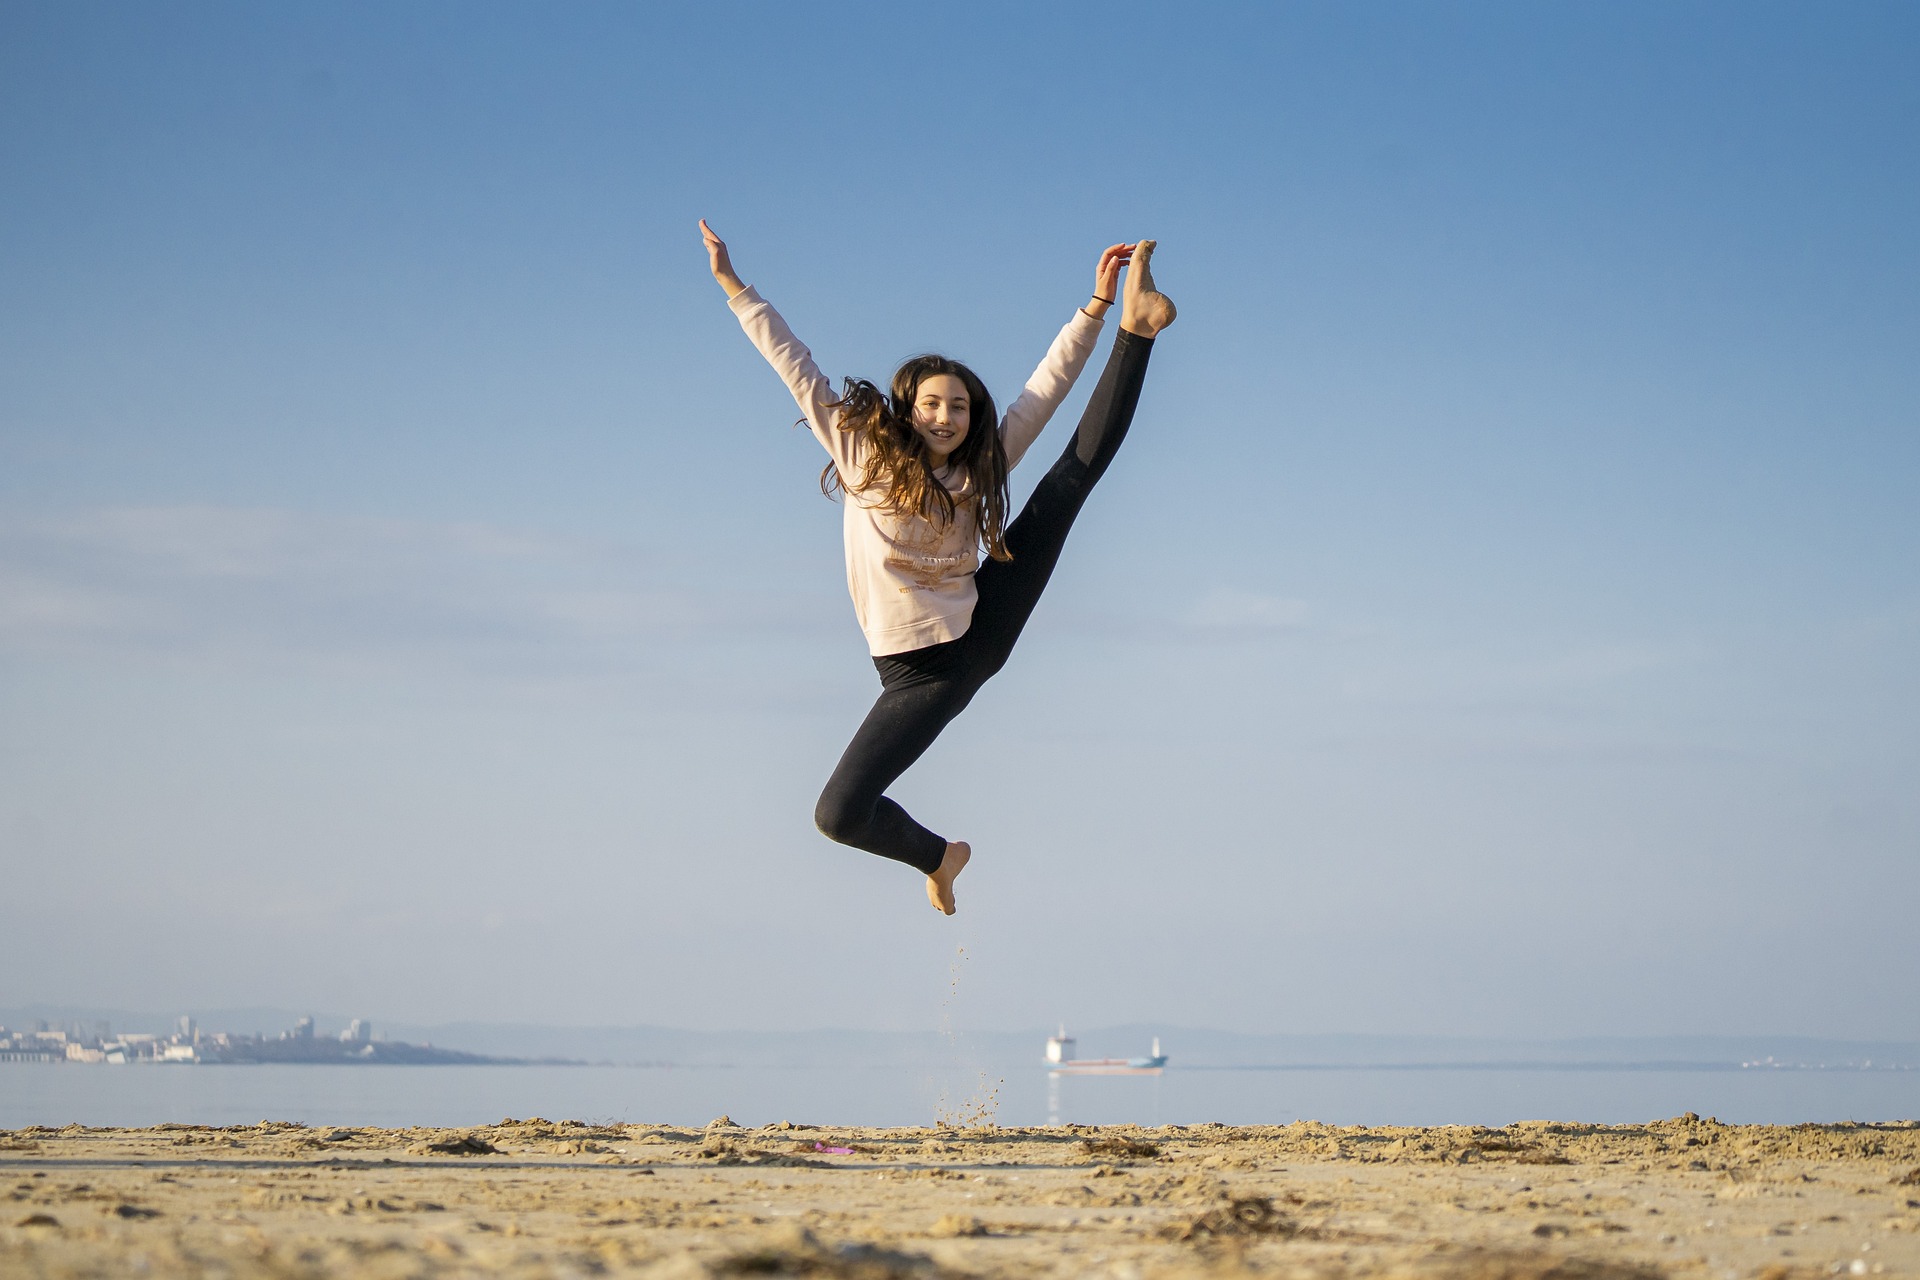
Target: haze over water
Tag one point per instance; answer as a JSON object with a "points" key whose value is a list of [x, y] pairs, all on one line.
{"points": [[456, 1096]]}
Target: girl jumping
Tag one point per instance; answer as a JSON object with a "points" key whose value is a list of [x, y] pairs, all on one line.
{"points": [[924, 490]]}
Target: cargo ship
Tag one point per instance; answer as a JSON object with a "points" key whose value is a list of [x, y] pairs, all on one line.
{"points": [[1061, 1062]]}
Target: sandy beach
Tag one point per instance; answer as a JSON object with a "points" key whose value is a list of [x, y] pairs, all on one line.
{"points": [[1683, 1197]]}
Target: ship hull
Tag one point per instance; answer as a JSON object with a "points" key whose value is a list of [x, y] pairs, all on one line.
{"points": [[1108, 1067]]}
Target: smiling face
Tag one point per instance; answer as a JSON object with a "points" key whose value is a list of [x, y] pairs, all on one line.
{"points": [[942, 412]]}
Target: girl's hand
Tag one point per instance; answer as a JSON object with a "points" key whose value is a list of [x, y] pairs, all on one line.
{"points": [[721, 264], [1106, 278]]}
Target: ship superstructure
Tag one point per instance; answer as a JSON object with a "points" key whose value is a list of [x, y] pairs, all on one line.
{"points": [[1061, 1062]]}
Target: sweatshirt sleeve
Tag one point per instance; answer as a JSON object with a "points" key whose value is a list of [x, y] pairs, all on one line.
{"points": [[1048, 386], [794, 363]]}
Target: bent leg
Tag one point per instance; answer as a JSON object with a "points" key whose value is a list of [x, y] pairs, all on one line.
{"points": [[905, 720], [1009, 589]]}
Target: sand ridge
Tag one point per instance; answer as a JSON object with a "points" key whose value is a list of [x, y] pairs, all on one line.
{"points": [[1679, 1198]]}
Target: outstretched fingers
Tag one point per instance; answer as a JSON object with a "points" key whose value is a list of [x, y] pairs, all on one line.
{"points": [[720, 260]]}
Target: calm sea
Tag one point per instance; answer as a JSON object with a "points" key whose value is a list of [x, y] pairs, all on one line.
{"points": [[55, 1094]]}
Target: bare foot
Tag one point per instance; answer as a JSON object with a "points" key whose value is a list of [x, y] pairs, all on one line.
{"points": [[940, 883], [1143, 309]]}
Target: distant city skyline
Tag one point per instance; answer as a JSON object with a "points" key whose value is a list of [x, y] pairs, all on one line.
{"points": [[94, 1042]]}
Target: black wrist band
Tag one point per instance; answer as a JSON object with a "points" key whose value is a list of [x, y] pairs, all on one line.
{"points": [[1098, 298]]}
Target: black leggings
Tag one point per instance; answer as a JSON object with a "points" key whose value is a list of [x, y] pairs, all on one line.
{"points": [[924, 689]]}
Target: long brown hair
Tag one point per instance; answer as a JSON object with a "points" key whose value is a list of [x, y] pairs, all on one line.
{"points": [[897, 463]]}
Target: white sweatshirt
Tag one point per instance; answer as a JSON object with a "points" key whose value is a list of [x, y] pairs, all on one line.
{"points": [[911, 579]]}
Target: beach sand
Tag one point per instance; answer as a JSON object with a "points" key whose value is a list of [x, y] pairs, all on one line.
{"points": [[1683, 1198]]}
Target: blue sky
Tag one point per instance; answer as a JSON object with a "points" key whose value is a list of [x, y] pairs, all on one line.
{"points": [[415, 600]]}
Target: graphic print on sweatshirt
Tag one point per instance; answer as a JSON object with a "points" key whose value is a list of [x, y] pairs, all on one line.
{"points": [[925, 551]]}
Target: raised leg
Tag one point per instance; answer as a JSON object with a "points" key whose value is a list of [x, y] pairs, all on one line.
{"points": [[1010, 589]]}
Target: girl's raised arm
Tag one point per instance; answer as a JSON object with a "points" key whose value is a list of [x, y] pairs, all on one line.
{"points": [[788, 356], [1057, 373]]}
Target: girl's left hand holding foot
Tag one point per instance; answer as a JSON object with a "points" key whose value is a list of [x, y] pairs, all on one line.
{"points": [[1106, 278]]}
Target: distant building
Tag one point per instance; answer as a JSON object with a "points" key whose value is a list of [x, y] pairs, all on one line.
{"points": [[94, 1043], [24, 1046]]}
